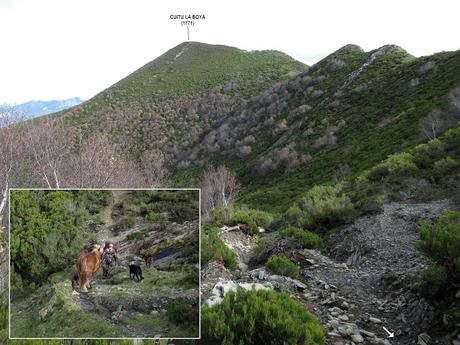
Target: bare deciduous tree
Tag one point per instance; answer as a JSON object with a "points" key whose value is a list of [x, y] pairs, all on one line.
{"points": [[431, 125], [454, 98], [219, 189], [9, 151], [49, 145], [154, 165], [437, 122], [98, 164]]}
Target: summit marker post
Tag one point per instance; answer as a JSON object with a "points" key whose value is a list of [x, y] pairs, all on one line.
{"points": [[187, 20]]}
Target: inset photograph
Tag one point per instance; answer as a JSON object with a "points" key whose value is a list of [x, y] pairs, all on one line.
{"points": [[104, 263]]}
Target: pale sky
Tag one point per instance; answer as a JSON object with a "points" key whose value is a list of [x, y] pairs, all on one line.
{"points": [[57, 49]]}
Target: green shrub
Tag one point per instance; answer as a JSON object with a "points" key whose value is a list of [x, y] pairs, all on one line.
{"points": [[260, 317], [282, 265], [221, 215], [192, 277], [263, 245], [301, 238], [435, 279], [244, 217], [322, 206], [441, 242], [3, 323], [444, 166], [378, 173], [181, 312], [401, 164], [125, 223], [295, 216], [435, 274], [42, 221], [95, 224], [155, 217], [95, 200], [213, 248], [138, 235], [451, 138], [426, 154], [262, 219]]}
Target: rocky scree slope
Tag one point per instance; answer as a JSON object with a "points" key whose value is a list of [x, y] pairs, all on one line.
{"points": [[369, 280]]}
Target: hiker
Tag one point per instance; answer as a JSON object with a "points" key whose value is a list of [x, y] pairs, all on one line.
{"points": [[110, 251], [109, 258]]}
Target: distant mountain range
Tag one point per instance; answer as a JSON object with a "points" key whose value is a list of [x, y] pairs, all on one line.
{"points": [[38, 108]]}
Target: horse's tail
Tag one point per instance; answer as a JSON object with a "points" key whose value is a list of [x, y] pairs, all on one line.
{"points": [[81, 266]]}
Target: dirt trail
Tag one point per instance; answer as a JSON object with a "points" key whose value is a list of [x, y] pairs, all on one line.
{"points": [[241, 244], [106, 215], [368, 281]]}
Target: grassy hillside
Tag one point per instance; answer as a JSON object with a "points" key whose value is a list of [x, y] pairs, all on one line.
{"points": [[336, 117], [281, 127], [180, 94]]}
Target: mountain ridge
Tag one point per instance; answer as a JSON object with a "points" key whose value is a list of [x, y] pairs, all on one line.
{"points": [[280, 132]]}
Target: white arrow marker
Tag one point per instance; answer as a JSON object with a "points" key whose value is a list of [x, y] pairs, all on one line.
{"points": [[390, 334]]}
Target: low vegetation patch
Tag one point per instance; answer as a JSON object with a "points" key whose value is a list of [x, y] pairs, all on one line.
{"points": [[242, 318], [125, 223], [213, 248], [321, 207], [300, 238], [244, 217], [441, 242], [180, 312], [280, 264]]}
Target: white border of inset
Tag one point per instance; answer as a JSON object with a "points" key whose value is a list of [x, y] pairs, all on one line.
{"points": [[111, 189]]}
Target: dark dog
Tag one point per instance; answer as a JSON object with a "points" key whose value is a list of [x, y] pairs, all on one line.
{"points": [[75, 282], [135, 271]]}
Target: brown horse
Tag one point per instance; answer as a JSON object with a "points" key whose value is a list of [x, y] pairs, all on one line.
{"points": [[148, 258], [87, 265]]}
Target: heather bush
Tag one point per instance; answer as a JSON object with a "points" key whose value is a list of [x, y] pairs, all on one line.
{"points": [[263, 245], [125, 223], [445, 166], [213, 248], [180, 312], [441, 242], [321, 206], [300, 238], [155, 217], [283, 265], [241, 216], [221, 215], [396, 165], [426, 154], [260, 317], [262, 219]]}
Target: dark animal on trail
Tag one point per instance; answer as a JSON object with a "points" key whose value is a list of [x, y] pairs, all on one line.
{"points": [[135, 271], [75, 281], [87, 265], [148, 260]]}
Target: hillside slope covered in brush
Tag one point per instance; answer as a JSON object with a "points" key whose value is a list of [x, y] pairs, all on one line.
{"points": [[282, 127], [355, 157], [171, 101]]}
